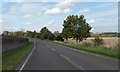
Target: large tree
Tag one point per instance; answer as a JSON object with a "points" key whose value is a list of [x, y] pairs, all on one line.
{"points": [[76, 27]]}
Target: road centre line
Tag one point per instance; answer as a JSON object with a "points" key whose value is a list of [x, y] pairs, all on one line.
{"points": [[74, 64]]}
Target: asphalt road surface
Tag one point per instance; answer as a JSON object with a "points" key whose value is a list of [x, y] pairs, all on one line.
{"points": [[50, 56]]}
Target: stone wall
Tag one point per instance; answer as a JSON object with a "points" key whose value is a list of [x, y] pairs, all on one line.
{"points": [[9, 43]]}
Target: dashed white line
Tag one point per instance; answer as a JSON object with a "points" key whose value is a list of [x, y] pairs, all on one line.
{"points": [[74, 64], [50, 48], [27, 59], [53, 49]]}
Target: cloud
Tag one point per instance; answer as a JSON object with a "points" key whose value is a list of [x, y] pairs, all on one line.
{"points": [[27, 16], [65, 4], [66, 10], [39, 13], [105, 5], [27, 23], [84, 10], [59, 0], [1, 21], [53, 11], [50, 25], [13, 8], [91, 21]]}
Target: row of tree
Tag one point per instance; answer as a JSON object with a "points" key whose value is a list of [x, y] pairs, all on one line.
{"points": [[74, 26], [43, 34], [106, 34]]}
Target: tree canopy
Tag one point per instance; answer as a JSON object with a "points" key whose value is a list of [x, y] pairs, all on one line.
{"points": [[76, 27], [46, 34]]}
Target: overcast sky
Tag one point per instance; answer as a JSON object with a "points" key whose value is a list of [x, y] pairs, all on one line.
{"points": [[14, 16]]}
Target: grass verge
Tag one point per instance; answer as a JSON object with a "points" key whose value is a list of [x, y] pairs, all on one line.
{"points": [[12, 58], [97, 50]]}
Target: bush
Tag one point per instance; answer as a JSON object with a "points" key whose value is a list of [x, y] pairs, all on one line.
{"points": [[97, 41], [117, 46], [86, 44], [59, 38]]}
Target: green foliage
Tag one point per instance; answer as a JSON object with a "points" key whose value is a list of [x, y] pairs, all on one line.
{"points": [[46, 34], [26, 34], [12, 58], [76, 27], [97, 41], [58, 36], [56, 33]]}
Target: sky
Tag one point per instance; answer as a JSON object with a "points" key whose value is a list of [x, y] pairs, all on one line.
{"points": [[16, 16]]}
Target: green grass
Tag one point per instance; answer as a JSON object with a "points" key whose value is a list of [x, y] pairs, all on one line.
{"points": [[0, 62], [97, 50], [12, 58]]}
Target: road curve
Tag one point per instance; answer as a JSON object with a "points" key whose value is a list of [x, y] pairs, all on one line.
{"points": [[50, 56]]}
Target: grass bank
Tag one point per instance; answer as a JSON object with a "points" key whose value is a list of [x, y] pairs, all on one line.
{"points": [[97, 50], [12, 58]]}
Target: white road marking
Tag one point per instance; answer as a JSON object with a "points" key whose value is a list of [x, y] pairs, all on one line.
{"points": [[27, 59], [53, 49], [50, 48], [25, 62], [47, 46], [76, 65]]}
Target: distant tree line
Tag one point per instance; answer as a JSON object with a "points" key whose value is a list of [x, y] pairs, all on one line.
{"points": [[44, 34], [106, 34]]}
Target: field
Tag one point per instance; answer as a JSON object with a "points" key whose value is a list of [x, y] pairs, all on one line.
{"points": [[109, 42]]}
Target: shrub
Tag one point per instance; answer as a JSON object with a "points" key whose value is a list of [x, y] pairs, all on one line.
{"points": [[59, 38], [117, 46], [86, 44], [97, 41]]}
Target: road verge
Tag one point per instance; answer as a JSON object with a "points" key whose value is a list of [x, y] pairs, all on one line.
{"points": [[96, 50], [12, 58]]}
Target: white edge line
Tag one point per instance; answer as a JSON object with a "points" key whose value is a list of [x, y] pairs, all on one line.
{"points": [[27, 58]]}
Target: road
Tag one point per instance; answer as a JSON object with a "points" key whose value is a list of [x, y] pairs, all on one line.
{"points": [[50, 56]]}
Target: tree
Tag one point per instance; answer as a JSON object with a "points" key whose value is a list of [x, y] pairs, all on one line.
{"points": [[46, 34], [58, 36], [97, 41], [5, 33], [56, 33], [29, 34], [76, 27]]}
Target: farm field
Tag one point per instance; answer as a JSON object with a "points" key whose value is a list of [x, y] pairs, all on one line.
{"points": [[108, 41]]}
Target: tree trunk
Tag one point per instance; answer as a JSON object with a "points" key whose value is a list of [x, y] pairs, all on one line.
{"points": [[66, 40], [76, 41]]}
